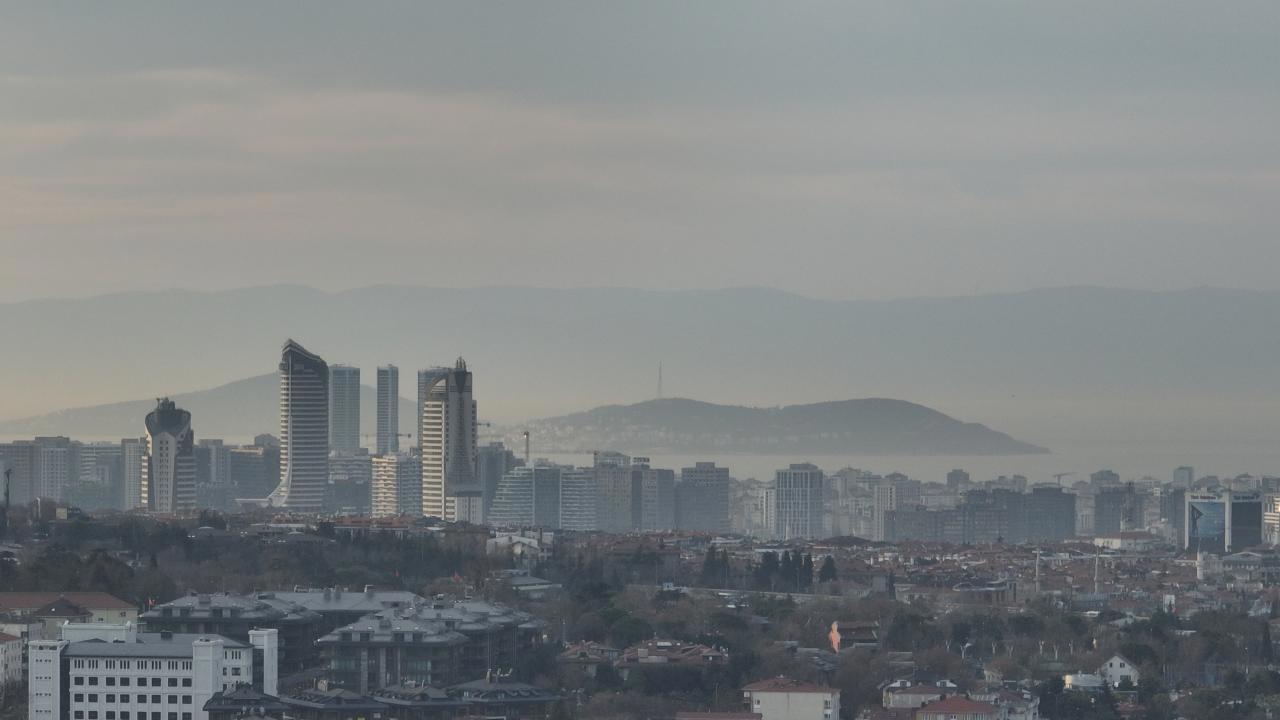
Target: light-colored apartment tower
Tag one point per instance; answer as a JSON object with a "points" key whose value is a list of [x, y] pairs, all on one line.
{"points": [[798, 502], [397, 485], [450, 488], [169, 464]]}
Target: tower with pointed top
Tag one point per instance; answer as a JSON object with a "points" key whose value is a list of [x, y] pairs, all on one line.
{"points": [[168, 482], [304, 430], [450, 487]]}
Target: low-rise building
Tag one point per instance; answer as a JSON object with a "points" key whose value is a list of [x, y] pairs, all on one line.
{"points": [[782, 698], [1118, 669], [957, 707], [10, 658], [102, 607], [657, 652]]}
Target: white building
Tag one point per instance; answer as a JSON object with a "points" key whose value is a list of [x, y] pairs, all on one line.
{"points": [[132, 454], [782, 698], [397, 485], [450, 487], [169, 465], [799, 502], [10, 658], [1117, 669], [113, 672]]}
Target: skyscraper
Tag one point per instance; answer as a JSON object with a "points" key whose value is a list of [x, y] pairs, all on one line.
{"points": [[492, 462], [1184, 477], [133, 452], [304, 430], [344, 409], [388, 410], [450, 488], [169, 465], [702, 498], [798, 502]]}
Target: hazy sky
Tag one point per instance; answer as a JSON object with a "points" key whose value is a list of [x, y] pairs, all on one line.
{"points": [[834, 149]]}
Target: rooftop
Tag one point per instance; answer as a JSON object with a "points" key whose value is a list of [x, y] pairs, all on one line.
{"points": [[785, 684], [149, 645], [92, 600]]}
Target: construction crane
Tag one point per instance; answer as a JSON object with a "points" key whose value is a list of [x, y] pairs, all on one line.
{"points": [[1059, 476]]}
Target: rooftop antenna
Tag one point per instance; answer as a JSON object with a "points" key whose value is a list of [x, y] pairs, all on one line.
{"points": [[526, 449]]}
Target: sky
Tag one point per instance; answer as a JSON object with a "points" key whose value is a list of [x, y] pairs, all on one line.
{"points": [[834, 149]]}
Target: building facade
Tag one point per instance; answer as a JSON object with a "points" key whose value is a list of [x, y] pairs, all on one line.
{"points": [[397, 485], [702, 498], [450, 489], [798, 502], [344, 409], [388, 413], [304, 430], [169, 465]]}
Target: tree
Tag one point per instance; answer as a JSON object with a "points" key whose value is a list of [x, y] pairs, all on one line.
{"points": [[827, 573]]}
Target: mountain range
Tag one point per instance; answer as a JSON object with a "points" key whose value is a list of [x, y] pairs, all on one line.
{"points": [[1109, 362]]}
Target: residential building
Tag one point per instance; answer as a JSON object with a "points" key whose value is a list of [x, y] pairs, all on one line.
{"points": [[1051, 514], [350, 483], [1118, 670], [304, 430], [102, 608], [782, 698], [702, 498], [388, 412], [11, 647], [133, 452], [450, 488], [529, 497], [169, 465], [397, 485], [957, 707], [344, 409], [20, 458], [885, 498], [236, 616], [660, 652], [1184, 477], [56, 467], [798, 502], [213, 475]]}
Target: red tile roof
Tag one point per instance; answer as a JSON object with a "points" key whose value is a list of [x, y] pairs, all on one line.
{"points": [[33, 600], [785, 684], [6, 637]]}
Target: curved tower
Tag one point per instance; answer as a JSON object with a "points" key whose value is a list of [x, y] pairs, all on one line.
{"points": [[168, 482], [304, 430], [450, 488]]}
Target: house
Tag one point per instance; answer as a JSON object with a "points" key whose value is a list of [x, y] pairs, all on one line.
{"points": [[658, 652], [957, 707], [589, 655], [1118, 669], [1084, 682], [910, 694], [782, 698], [102, 607]]}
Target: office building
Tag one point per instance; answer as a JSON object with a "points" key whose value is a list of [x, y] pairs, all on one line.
{"points": [[350, 483], [885, 498], [450, 489], [397, 485], [169, 465], [344, 409], [492, 462], [304, 430], [1118, 509], [95, 672], [213, 475], [1222, 522], [56, 467], [388, 420], [529, 497], [656, 490], [1050, 514], [702, 498], [20, 459], [798, 502], [615, 498], [578, 504], [1184, 477], [957, 480], [98, 483], [254, 470]]}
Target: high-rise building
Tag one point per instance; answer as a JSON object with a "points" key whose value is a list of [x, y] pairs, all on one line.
{"points": [[169, 466], [133, 453], [798, 502], [20, 456], [388, 410], [55, 467], [957, 479], [213, 474], [656, 489], [615, 498], [885, 498], [344, 409], [397, 485], [254, 469], [492, 462], [578, 499], [702, 498], [427, 379], [529, 497], [350, 483], [1051, 514], [98, 484], [450, 489], [304, 430], [1184, 477], [1223, 522]]}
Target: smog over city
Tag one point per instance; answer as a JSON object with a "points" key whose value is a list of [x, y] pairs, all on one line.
{"points": [[639, 360]]}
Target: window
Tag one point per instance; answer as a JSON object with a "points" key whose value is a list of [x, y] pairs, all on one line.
{"points": [[79, 680], [186, 716], [124, 682], [155, 699], [93, 697], [124, 715], [155, 682], [186, 699], [111, 681], [235, 671], [111, 715], [186, 682], [124, 698], [173, 716], [142, 699], [79, 697], [93, 680], [79, 715], [173, 682], [173, 699], [111, 698], [93, 715]]}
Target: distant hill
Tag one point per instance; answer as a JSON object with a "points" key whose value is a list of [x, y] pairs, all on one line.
{"points": [[237, 410], [872, 426]]}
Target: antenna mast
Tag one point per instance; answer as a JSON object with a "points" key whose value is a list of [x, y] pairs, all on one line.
{"points": [[659, 379]]}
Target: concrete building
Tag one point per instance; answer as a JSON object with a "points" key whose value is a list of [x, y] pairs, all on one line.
{"points": [[213, 475], [450, 488], [492, 462], [885, 499], [350, 483], [169, 465], [781, 698], [656, 490], [388, 414], [1222, 522], [237, 617], [578, 503], [397, 485], [133, 452], [11, 668], [344, 409], [798, 502], [957, 707], [304, 430], [702, 498], [56, 467], [113, 672], [529, 497], [1184, 477]]}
